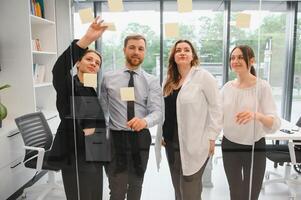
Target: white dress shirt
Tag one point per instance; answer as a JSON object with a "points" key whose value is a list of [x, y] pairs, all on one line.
{"points": [[257, 98]]}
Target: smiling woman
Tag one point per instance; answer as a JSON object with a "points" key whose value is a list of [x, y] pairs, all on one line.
{"points": [[191, 95], [249, 112], [90, 62]]}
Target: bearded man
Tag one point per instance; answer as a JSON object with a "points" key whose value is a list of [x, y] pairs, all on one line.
{"points": [[134, 103]]}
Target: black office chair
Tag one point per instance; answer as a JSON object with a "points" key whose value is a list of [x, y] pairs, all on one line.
{"points": [[38, 139], [288, 154], [277, 142], [298, 167]]}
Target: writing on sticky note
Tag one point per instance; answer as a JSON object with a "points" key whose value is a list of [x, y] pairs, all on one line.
{"points": [[184, 5], [115, 5], [127, 94], [243, 20], [171, 30], [90, 80], [86, 15], [110, 25]]}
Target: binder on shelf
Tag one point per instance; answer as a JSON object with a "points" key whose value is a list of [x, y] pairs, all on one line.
{"points": [[42, 8], [37, 8], [32, 7], [39, 73]]}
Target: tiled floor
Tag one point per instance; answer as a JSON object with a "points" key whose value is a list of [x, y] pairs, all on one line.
{"points": [[157, 185]]}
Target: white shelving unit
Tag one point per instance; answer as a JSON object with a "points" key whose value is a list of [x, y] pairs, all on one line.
{"points": [[44, 29], [17, 57]]}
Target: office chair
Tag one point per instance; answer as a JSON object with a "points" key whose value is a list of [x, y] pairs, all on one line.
{"points": [[37, 138], [298, 167], [289, 154]]}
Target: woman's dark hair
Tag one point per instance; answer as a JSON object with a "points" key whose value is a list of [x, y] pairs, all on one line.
{"points": [[91, 51], [247, 53]]}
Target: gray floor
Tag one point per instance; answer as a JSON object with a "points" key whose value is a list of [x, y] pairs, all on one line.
{"points": [[157, 185]]}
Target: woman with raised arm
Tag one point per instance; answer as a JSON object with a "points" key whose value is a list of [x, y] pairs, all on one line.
{"points": [[81, 178]]}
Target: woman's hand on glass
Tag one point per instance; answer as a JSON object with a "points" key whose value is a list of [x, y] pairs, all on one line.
{"points": [[95, 31], [89, 131]]}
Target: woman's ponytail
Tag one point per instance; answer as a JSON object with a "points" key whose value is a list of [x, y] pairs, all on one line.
{"points": [[252, 70]]}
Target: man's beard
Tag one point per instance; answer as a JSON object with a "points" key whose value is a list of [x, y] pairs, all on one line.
{"points": [[135, 63]]}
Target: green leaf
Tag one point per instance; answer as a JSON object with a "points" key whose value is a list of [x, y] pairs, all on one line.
{"points": [[4, 86], [3, 111]]}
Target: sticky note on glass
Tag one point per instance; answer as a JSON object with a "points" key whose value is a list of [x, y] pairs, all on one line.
{"points": [[184, 5], [86, 15], [127, 94], [90, 80], [111, 26], [243, 20], [115, 5], [171, 30]]}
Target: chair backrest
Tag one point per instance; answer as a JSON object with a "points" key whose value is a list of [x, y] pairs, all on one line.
{"points": [[299, 122], [298, 147], [35, 131]]}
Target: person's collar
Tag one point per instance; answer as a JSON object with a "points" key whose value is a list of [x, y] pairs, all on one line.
{"points": [[137, 71], [77, 81]]}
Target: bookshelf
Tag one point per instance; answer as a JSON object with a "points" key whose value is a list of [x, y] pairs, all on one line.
{"points": [[43, 30]]}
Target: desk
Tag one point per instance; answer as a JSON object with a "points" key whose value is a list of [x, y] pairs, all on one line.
{"points": [[279, 135], [287, 178]]}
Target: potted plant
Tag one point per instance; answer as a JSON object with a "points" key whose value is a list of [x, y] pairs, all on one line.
{"points": [[3, 110]]}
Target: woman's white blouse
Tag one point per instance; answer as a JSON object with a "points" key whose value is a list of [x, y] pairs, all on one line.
{"points": [[256, 98]]}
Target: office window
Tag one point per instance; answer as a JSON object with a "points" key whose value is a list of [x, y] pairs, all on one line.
{"points": [[137, 17], [265, 33], [204, 28], [79, 29], [296, 104]]}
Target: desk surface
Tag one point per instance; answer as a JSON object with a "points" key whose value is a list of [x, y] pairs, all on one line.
{"points": [[279, 135]]}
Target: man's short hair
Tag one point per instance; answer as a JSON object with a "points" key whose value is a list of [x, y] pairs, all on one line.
{"points": [[134, 37]]}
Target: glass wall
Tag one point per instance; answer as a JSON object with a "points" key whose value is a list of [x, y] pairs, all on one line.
{"points": [[203, 27], [259, 24], [265, 33], [43, 81], [137, 17]]}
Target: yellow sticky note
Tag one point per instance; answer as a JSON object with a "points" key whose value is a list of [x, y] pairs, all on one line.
{"points": [[115, 5], [127, 94], [90, 80], [243, 20], [185, 5], [171, 30], [111, 26], [86, 15]]}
